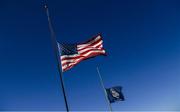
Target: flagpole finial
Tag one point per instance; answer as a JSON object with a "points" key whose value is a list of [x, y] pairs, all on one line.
{"points": [[45, 4]]}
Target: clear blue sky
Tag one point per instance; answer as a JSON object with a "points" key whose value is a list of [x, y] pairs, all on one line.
{"points": [[141, 38]]}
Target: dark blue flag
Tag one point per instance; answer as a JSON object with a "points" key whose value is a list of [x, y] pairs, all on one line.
{"points": [[114, 94]]}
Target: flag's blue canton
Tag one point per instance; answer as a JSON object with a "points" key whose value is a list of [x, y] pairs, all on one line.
{"points": [[68, 49], [115, 94]]}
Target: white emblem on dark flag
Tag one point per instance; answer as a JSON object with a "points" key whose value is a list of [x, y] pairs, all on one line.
{"points": [[114, 93]]}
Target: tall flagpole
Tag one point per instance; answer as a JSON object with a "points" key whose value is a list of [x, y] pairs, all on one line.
{"points": [[104, 89], [54, 43]]}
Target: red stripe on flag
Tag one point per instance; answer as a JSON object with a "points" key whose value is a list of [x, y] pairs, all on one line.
{"points": [[89, 56], [92, 44], [81, 55]]}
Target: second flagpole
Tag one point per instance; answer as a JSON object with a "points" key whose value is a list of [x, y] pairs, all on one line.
{"points": [[104, 89], [54, 42]]}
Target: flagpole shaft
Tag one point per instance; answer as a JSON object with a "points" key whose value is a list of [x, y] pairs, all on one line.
{"points": [[54, 42], [104, 89]]}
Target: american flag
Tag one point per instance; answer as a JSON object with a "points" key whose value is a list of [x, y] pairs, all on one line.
{"points": [[72, 54]]}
